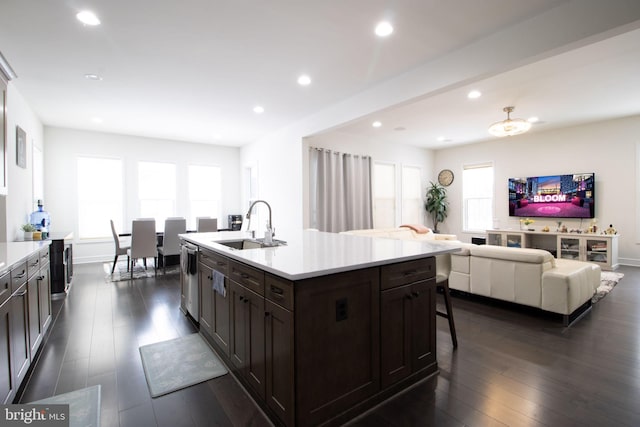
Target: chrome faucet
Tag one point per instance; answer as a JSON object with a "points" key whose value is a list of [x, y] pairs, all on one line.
{"points": [[270, 230]]}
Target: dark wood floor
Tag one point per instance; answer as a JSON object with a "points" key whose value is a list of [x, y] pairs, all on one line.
{"points": [[512, 367]]}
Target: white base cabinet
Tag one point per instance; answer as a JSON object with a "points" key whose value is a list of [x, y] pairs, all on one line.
{"points": [[601, 249]]}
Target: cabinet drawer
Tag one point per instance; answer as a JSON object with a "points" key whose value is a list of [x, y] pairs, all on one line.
{"points": [[248, 277], [33, 264], [214, 261], [44, 257], [407, 272], [5, 286], [18, 276], [279, 291]]}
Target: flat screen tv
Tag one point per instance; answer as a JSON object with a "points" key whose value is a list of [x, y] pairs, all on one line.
{"points": [[553, 196]]}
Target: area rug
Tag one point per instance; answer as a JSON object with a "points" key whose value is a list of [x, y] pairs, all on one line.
{"points": [[120, 273], [179, 363], [84, 406], [608, 279]]}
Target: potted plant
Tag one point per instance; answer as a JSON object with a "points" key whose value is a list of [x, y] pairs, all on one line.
{"points": [[28, 230], [436, 204]]}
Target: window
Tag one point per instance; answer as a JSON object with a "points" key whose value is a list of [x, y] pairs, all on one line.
{"points": [[412, 201], [99, 196], [157, 191], [384, 195], [477, 194], [205, 193]]}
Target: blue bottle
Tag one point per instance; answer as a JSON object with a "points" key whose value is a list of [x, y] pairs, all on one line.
{"points": [[41, 220]]}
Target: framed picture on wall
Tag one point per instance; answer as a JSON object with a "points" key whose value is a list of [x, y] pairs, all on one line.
{"points": [[21, 147]]}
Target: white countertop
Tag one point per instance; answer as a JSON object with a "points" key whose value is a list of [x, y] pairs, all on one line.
{"points": [[315, 253], [14, 252]]}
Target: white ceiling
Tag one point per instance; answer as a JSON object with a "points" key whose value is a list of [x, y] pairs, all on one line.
{"points": [[193, 70]]}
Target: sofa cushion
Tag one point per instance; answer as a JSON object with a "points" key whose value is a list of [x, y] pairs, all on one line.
{"points": [[534, 256]]}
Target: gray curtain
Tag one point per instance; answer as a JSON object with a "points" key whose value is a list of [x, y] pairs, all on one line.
{"points": [[340, 193]]}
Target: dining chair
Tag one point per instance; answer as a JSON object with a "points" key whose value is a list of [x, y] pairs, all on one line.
{"points": [[170, 239], [206, 223], [143, 242], [120, 249]]}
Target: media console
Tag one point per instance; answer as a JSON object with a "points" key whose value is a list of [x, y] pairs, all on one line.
{"points": [[601, 249]]}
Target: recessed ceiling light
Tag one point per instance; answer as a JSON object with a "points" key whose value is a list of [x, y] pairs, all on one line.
{"points": [[376, 124], [474, 94], [94, 77], [533, 119], [258, 109], [384, 29], [88, 18], [304, 80]]}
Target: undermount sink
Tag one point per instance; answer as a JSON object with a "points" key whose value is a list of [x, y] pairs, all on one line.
{"points": [[251, 243]]}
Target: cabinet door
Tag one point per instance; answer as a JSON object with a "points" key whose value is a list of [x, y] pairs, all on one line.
{"points": [[220, 327], [206, 310], [423, 307], [568, 247], [395, 334], [44, 294], [237, 341], [597, 251], [7, 381], [20, 333], [279, 361], [33, 312], [247, 335], [494, 239], [255, 369]]}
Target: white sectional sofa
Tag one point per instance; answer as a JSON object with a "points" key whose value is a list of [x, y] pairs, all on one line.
{"points": [[531, 277]]}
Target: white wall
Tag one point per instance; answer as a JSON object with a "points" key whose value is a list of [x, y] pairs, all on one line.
{"points": [[405, 155], [18, 203], [607, 148], [63, 146]]}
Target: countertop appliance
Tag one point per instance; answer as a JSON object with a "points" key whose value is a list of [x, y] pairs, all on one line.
{"points": [[235, 222], [189, 271]]}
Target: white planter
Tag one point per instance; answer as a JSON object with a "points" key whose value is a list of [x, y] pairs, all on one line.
{"points": [[28, 235]]}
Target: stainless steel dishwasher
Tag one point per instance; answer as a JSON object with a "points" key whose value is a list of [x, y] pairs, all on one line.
{"points": [[189, 268]]}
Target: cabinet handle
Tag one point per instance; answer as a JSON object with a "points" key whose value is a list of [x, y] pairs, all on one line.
{"points": [[21, 275], [266, 314], [410, 272], [209, 278], [415, 294], [40, 278], [246, 300], [408, 296], [245, 276], [21, 294], [220, 263], [241, 298]]}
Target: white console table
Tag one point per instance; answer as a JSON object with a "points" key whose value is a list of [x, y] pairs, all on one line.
{"points": [[601, 249]]}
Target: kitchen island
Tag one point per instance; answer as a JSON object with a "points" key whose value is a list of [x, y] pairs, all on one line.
{"points": [[323, 328]]}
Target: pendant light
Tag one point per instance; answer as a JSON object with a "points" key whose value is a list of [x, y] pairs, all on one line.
{"points": [[509, 126]]}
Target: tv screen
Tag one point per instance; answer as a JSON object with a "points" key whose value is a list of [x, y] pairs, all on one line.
{"points": [[554, 196]]}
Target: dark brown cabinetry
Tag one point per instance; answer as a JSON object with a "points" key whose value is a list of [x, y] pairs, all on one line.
{"points": [[247, 349], [19, 331], [406, 315], [214, 308], [25, 316], [7, 385], [322, 350]]}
